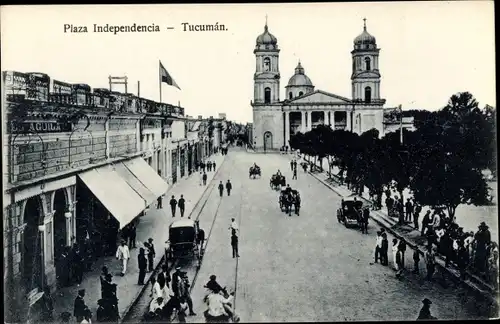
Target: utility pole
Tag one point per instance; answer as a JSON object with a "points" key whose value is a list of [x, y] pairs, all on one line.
{"points": [[401, 124], [139, 89]]}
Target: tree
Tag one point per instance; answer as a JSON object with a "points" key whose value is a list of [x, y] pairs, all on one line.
{"points": [[444, 180]]}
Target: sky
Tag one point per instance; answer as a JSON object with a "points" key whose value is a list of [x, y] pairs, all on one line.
{"points": [[429, 50]]}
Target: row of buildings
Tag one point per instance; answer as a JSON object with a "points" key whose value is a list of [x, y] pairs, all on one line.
{"points": [[304, 107], [78, 162]]}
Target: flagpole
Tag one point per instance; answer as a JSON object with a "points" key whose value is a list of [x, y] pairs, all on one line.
{"points": [[159, 79]]}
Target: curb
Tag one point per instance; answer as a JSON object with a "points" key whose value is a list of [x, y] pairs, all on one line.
{"points": [[162, 259], [440, 262]]}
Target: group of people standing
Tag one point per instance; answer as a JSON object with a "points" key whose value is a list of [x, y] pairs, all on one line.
{"points": [[210, 166], [73, 262], [170, 294]]}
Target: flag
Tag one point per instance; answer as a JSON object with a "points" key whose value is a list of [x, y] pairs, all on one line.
{"points": [[166, 77]]}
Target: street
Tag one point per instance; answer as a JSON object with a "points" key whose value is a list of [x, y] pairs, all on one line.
{"points": [[307, 267]]}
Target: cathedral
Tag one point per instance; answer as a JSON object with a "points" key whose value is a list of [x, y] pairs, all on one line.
{"points": [[305, 107]]}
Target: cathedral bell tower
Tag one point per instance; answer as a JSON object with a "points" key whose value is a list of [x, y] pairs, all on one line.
{"points": [[267, 73], [365, 76]]}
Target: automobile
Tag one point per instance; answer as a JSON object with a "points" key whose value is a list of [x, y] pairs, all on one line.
{"points": [[349, 211], [184, 241]]}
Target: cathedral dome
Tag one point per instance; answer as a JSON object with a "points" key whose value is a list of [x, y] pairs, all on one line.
{"points": [[299, 78], [365, 37], [266, 38]]}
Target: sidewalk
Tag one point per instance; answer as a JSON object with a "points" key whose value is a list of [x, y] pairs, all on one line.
{"points": [[153, 225], [411, 236]]}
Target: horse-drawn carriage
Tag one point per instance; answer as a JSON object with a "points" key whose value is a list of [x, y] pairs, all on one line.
{"points": [[288, 200], [277, 181], [185, 241], [350, 212], [254, 171]]}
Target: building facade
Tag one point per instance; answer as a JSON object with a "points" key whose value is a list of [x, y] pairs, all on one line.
{"points": [[305, 107], [78, 166]]}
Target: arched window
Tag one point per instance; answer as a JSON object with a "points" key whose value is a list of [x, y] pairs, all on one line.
{"points": [[267, 95], [300, 93], [267, 64], [290, 95], [367, 63], [368, 94]]}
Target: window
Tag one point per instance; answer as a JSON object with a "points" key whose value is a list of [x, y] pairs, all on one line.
{"points": [[300, 93], [267, 64], [267, 95], [368, 94], [367, 63], [290, 95]]}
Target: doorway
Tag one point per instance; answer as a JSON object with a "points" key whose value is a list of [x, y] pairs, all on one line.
{"points": [[60, 233], [268, 141], [32, 267]]}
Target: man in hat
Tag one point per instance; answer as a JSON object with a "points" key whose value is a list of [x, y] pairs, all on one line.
{"points": [[164, 277], [142, 262], [182, 205], [384, 259], [425, 312], [483, 239], [221, 188], [123, 254], [79, 306], [173, 205], [151, 254], [229, 186]]}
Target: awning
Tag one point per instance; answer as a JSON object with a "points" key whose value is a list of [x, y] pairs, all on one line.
{"points": [[147, 176], [114, 193], [135, 183]]}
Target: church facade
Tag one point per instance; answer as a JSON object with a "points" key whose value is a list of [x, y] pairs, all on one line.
{"points": [[305, 107]]}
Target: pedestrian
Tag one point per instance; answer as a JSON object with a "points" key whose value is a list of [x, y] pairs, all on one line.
{"points": [[229, 186], [364, 224], [416, 260], [399, 261], [233, 227], [425, 222], [209, 166], [164, 277], [159, 203], [176, 280], [173, 205], [87, 317], [402, 247], [430, 262], [79, 306], [425, 311], [102, 279], [185, 293], [142, 266], [182, 205], [156, 291], [234, 245], [378, 247], [384, 260], [123, 254], [77, 261], [394, 253], [416, 214], [204, 179], [181, 313], [291, 165], [294, 177], [47, 306], [151, 254], [221, 188], [63, 266], [409, 210], [133, 235], [213, 165]]}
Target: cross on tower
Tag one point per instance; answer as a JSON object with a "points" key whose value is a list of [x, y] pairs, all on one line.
{"points": [[266, 19], [364, 23]]}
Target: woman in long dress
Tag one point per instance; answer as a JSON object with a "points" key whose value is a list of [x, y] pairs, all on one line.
{"points": [[395, 244]]}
